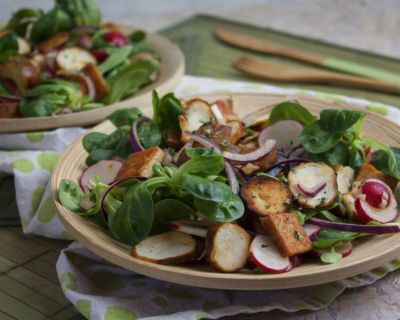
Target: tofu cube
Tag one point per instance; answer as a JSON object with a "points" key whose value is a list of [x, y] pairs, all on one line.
{"points": [[140, 164], [287, 233]]}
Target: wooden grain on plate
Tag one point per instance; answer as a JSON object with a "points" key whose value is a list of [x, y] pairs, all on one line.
{"points": [[171, 72], [368, 253]]}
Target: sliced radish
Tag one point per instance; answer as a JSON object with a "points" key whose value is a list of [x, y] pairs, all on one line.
{"points": [[265, 255], [188, 229], [311, 230], [106, 170], [377, 193], [285, 132], [368, 213], [345, 250]]}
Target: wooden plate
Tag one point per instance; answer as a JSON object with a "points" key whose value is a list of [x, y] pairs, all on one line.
{"points": [[171, 72], [369, 253]]}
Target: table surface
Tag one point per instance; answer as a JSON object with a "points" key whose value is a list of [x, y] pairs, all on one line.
{"points": [[28, 282]]}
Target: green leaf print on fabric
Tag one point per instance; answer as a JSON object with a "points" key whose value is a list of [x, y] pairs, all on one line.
{"points": [[119, 313], [34, 137], [47, 160], [22, 165], [84, 307], [47, 211], [68, 281], [36, 197]]}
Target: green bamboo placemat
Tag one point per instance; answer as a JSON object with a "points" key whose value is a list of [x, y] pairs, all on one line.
{"points": [[206, 56]]}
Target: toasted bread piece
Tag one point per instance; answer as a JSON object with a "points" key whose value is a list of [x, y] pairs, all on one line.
{"points": [[219, 134], [309, 176], [74, 59], [229, 247], [171, 247], [238, 130], [348, 203], [9, 110], [287, 233], [265, 195], [197, 113], [223, 111], [100, 84], [140, 164], [53, 42], [344, 178]]}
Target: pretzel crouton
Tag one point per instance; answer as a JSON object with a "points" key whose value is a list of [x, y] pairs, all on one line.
{"points": [[140, 164], [9, 110], [344, 177], [287, 233], [229, 249], [265, 195], [219, 134]]}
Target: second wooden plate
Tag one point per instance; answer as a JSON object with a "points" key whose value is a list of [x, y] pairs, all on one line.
{"points": [[171, 72]]}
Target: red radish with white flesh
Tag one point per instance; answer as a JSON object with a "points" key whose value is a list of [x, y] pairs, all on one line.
{"points": [[345, 250], [188, 229], [376, 202], [296, 261], [285, 132], [265, 255], [106, 170], [311, 230], [377, 193], [368, 213]]}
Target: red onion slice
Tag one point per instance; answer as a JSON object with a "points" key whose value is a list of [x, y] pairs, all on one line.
{"points": [[230, 173], [352, 227], [311, 192], [5, 98], [251, 156], [135, 141]]}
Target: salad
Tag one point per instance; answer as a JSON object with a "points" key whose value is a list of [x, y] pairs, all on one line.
{"points": [[65, 60], [197, 184]]}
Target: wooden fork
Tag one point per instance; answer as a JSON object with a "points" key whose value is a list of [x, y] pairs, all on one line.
{"points": [[287, 73]]}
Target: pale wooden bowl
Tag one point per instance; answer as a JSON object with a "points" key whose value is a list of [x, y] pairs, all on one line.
{"points": [[368, 253], [171, 72]]}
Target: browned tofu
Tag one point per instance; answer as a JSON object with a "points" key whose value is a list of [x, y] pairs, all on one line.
{"points": [[287, 233], [265, 195], [140, 164], [9, 110], [219, 134], [100, 84], [53, 42]]}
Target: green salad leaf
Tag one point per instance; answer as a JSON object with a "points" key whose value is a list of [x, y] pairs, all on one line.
{"points": [[166, 112], [8, 46], [124, 117], [339, 120], [21, 19], [49, 24], [291, 111], [81, 12], [316, 140], [70, 194]]}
